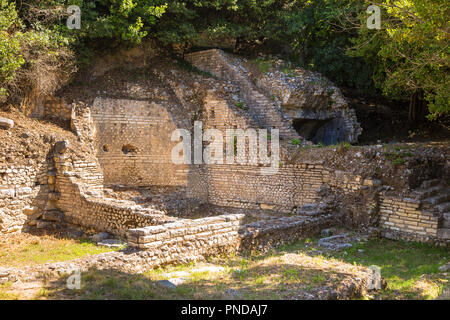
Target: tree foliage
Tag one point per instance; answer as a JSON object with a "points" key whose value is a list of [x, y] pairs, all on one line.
{"points": [[409, 54], [411, 51]]}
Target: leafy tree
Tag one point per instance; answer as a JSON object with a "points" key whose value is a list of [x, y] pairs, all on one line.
{"points": [[10, 57], [411, 53]]}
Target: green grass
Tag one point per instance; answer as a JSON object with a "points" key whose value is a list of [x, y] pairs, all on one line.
{"points": [[46, 250], [343, 147], [410, 269], [263, 64], [4, 294], [240, 105], [403, 265], [397, 155]]}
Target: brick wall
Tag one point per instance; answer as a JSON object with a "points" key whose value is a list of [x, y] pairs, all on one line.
{"points": [[245, 187], [81, 199], [145, 126], [401, 218], [189, 237]]}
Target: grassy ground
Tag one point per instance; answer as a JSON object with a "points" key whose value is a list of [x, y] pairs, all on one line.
{"points": [[28, 250], [289, 272], [279, 276], [411, 269]]}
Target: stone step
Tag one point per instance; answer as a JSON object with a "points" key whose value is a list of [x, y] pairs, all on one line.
{"points": [[430, 183], [443, 233]]}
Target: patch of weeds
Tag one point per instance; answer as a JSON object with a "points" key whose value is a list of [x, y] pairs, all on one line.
{"points": [[343, 147], [319, 145], [397, 156], [260, 280], [318, 279], [240, 105], [288, 69], [200, 275], [403, 265], [264, 65], [4, 294], [296, 142], [291, 274]]}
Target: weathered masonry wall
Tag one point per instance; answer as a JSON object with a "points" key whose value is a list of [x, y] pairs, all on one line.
{"points": [[133, 143], [83, 203], [23, 193], [245, 187], [263, 235], [261, 110], [187, 240], [402, 219]]}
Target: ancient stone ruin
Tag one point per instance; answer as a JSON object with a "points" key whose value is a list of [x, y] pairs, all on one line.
{"points": [[122, 141]]}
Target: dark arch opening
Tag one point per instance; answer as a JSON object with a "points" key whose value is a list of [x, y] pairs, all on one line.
{"points": [[325, 131]]}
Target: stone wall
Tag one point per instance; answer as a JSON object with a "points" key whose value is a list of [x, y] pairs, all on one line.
{"points": [[23, 193], [133, 143], [266, 234], [188, 240], [82, 202], [401, 218], [243, 186], [261, 109], [189, 237], [56, 108]]}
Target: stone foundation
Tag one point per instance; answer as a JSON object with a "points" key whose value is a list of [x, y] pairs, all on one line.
{"points": [[401, 218]]}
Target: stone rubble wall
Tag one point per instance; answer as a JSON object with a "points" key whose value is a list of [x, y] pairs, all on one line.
{"points": [[83, 203], [266, 234], [190, 240], [56, 108], [402, 218], [262, 110], [187, 240], [243, 186], [23, 193]]}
